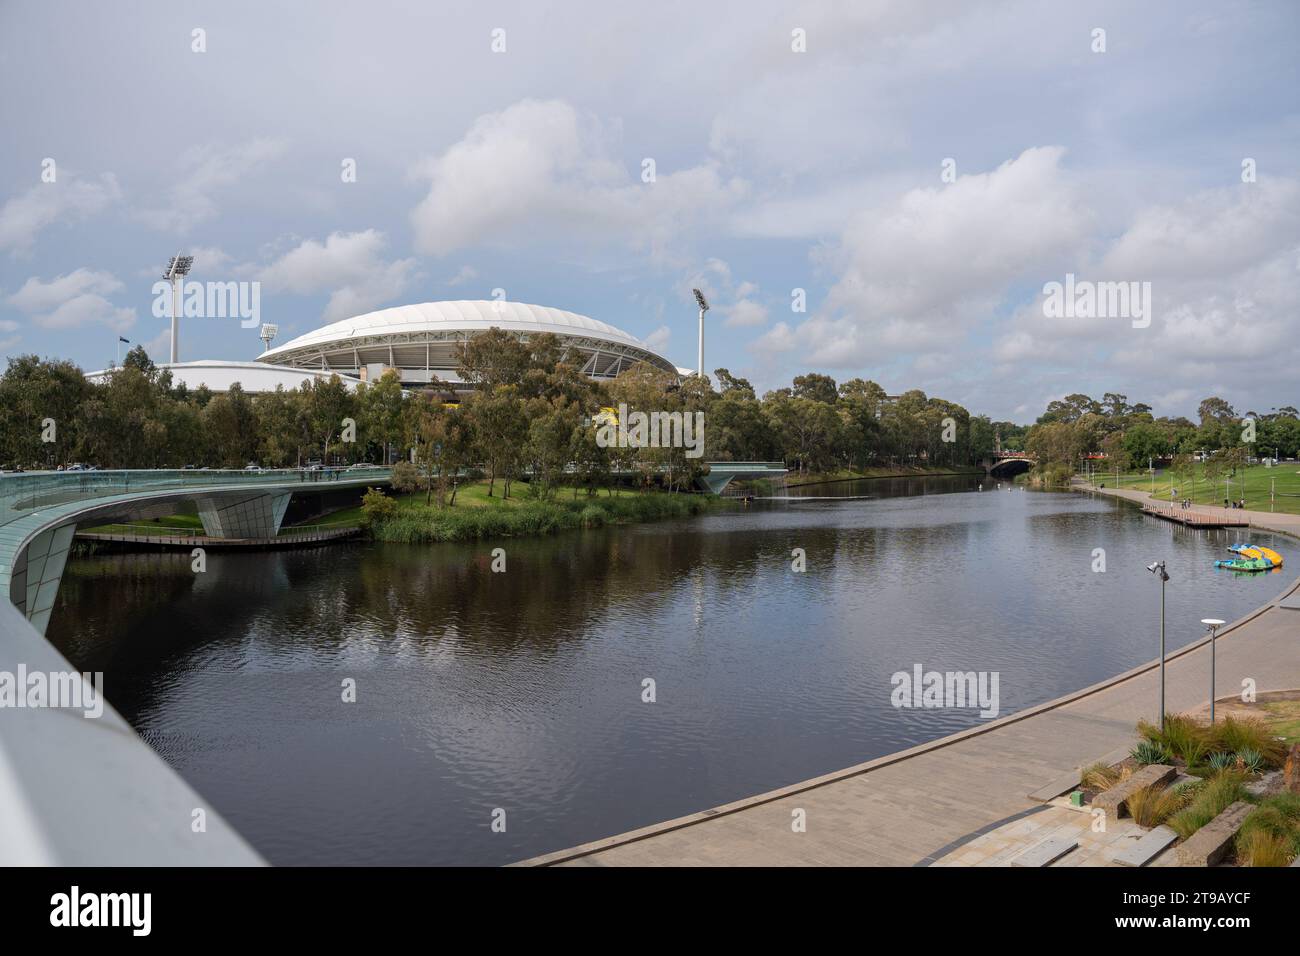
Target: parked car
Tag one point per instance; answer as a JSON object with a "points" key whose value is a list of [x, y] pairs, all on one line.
{"points": [[252, 466], [360, 465]]}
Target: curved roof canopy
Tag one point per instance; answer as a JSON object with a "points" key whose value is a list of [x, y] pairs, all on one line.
{"points": [[422, 337]]}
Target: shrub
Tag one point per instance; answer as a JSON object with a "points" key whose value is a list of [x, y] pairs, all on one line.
{"points": [[415, 523], [1194, 753], [1249, 761], [1222, 761], [1152, 806], [1148, 751], [1261, 848], [405, 477], [1100, 776], [376, 506], [1236, 734], [1277, 816], [1213, 798]]}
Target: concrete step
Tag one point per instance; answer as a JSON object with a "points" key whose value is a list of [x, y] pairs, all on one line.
{"points": [[1048, 851], [1208, 845], [1146, 849]]}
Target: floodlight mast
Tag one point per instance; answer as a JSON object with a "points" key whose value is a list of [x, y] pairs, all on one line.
{"points": [[177, 269], [268, 333], [704, 307]]}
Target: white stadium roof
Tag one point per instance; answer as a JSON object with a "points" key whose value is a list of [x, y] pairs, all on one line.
{"points": [[420, 339]]}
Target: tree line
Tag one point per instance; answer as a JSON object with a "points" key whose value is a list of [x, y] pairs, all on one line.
{"points": [[1130, 435], [530, 413]]}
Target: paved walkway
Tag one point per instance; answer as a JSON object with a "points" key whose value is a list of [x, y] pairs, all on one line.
{"points": [[900, 809]]}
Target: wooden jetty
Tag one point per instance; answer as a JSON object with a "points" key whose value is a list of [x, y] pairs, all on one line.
{"points": [[1199, 517]]}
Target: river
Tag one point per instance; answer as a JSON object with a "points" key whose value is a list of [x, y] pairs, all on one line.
{"points": [[524, 691]]}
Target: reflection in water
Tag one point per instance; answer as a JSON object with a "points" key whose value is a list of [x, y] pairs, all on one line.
{"points": [[522, 690]]}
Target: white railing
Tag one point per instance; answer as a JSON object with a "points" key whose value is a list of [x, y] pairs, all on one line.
{"points": [[87, 791], [24, 492]]}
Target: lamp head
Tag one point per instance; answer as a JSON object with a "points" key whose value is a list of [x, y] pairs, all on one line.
{"points": [[1158, 569], [699, 297]]}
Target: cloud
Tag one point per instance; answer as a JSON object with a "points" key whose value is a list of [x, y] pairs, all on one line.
{"points": [[744, 314], [9, 341], [779, 339], [465, 274], [1224, 270], [538, 170], [205, 171], [736, 303], [67, 200], [917, 273], [658, 339], [73, 300], [349, 266]]}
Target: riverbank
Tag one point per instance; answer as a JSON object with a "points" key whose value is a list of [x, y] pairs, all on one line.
{"points": [[477, 516], [912, 807], [1275, 490], [869, 474], [1281, 522]]}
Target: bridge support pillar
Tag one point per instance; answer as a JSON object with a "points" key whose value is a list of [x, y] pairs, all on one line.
{"points": [[716, 483], [34, 580], [243, 515]]}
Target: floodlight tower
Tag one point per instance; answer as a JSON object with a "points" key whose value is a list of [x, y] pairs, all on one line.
{"points": [[177, 269], [268, 333], [704, 307]]}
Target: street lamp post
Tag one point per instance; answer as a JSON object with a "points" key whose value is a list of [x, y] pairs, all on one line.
{"points": [[1158, 569], [1212, 624], [704, 307]]}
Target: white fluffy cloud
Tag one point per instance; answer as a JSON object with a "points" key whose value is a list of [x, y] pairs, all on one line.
{"points": [[737, 303], [1224, 269], [76, 299], [205, 171], [68, 199], [350, 266], [659, 338], [919, 273], [538, 171]]}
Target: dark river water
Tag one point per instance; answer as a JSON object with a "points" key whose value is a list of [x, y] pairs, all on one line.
{"points": [[523, 690]]}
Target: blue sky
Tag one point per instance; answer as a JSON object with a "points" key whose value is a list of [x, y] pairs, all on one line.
{"points": [[774, 170]]}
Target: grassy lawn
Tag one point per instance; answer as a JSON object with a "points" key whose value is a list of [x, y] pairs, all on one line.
{"points": [[1282, 717], [477, 516], [472, 495], [1284, 478]]}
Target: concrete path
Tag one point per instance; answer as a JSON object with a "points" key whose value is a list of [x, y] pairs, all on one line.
{"points": [[901, 809]]}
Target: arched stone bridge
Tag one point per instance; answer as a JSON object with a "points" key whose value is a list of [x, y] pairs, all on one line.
{"points": [[1008, 464]]}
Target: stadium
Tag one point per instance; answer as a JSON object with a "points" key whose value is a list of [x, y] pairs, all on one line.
{"points": [[419, 341]]}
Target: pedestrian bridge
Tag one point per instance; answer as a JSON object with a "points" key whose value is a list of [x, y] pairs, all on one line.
{"points": [[723, 473], [40, 511], [76, 787]]}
